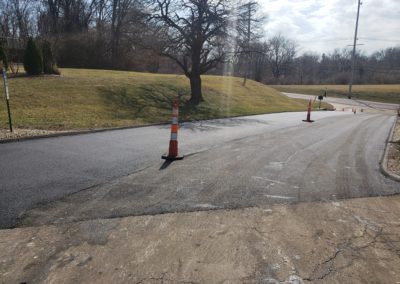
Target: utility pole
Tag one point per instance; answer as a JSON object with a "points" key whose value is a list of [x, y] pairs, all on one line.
{"points": [[353, 58]]}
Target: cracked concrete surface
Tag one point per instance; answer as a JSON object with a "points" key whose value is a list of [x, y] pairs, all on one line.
{"points": [[352, 241]]}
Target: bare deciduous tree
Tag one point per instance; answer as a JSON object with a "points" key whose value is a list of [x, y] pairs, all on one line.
{"points": [[127, 21], [249, 28], [194, 36], [282, 54], [16, 18], [66, 16]]}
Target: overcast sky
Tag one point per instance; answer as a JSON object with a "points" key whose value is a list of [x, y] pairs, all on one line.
{"points": [[322, 25]]}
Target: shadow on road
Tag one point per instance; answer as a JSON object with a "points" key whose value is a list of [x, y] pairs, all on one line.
{"points": [[209, 125], [166, 164]]}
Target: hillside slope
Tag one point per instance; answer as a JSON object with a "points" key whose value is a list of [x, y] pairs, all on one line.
{"points": [[81, 99]]}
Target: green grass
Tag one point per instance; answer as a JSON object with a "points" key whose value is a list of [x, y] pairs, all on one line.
{"points": [[84, 99], [377, 93]]}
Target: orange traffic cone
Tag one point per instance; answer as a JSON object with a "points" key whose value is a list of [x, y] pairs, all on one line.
{"points": [[173, 143], [309, 113]]}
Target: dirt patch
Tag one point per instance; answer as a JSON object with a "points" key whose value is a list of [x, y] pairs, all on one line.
{"points": [[396, 134], [393, 164], [5, 134]]}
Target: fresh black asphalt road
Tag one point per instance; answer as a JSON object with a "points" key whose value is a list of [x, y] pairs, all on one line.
{"points": [[43, 170]]}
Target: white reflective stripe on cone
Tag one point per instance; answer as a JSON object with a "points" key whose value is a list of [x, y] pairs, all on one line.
{"points": [[174, 120], [174, 136]]}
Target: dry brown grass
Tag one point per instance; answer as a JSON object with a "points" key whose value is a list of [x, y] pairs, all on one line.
{"points": [[82, 99]]}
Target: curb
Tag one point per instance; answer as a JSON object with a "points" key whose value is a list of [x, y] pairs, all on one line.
{"points": [[77, 132], [97, 130], [384, 161]]}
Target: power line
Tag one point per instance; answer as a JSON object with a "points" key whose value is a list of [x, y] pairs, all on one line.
{"points": [[379, 39]]}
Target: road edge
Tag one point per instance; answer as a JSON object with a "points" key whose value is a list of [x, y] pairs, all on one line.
{"points": [[77, 132], [338, 96], [383, 164], [97, 130]]}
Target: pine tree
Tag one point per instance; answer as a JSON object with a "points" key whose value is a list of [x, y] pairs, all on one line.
{"points": [[32, 59], [49, 64]]}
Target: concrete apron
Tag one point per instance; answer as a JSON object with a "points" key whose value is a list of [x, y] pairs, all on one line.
{"points": [[352, 241]]}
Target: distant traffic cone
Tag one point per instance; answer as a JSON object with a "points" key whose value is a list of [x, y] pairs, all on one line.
{"points": [[173, 143], [309, 113]]}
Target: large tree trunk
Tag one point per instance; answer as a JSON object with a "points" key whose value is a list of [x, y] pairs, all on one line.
{"points": [[195, 88], [195, 79]]}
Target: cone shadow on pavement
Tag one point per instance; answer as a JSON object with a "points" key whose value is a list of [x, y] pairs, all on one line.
{"points": [[165, 164]]}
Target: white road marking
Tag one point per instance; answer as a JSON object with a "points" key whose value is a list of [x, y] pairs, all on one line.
{"points": [[206, 205], [278, 196], [270, 180]]}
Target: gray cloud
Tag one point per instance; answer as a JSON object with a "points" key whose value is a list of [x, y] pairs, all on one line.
{"points": [[322, 25]]}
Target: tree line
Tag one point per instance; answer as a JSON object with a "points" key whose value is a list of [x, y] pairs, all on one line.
{"points": [[192, 37]]}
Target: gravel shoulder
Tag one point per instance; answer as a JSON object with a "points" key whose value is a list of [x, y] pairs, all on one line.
{"points": [[352, 241], [393, 159], [5, 134]]}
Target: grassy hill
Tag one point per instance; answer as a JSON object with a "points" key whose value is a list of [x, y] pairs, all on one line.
{"points": [[82, 99], [377, 93]]}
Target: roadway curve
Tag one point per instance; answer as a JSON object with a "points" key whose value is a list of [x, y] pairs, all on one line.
{"points": [[344, 102]]}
